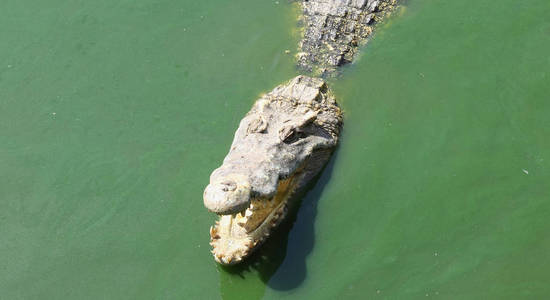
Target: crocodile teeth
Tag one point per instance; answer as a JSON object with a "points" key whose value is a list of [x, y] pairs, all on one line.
{"points": [[214, 233], [236, 235]]}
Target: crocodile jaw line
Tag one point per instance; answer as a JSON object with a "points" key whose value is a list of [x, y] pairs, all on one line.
{"points": [[234, 237]]}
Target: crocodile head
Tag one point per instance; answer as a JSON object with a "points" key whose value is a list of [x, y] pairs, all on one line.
{"points": [[282, 143]]}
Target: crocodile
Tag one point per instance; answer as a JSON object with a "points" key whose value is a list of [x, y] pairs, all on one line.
{"points": [[281, 144], [289, 134]]}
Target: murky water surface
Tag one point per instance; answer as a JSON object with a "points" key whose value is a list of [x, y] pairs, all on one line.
{"points": [[114, 113]]}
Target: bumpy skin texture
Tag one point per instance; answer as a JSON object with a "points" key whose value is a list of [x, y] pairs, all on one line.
{"points": [[333, 29], [288, 135]]}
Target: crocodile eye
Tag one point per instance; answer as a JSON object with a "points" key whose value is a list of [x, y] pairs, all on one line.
{"points": [[289, 135]]}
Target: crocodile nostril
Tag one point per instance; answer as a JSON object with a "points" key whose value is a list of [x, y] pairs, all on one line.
{"points": [[228, 186], [228, 195]]}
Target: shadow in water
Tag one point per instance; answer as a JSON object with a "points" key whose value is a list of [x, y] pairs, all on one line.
{"points": [[281, 261]]}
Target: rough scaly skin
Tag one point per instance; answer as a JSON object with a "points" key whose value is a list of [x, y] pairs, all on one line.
{"points": [[333, 30], [282, 143], [289, 134]]}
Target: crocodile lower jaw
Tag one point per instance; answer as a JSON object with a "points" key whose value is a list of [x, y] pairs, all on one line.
{"points": [[234, 237]]}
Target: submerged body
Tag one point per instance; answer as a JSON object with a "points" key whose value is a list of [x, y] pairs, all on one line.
{"points": [[334, 29], [280, 145]]}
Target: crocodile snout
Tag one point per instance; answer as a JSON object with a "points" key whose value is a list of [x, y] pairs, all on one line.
{"points": [[227, 196]]}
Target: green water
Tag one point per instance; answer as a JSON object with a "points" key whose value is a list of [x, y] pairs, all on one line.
{"points": [[114, 113]]}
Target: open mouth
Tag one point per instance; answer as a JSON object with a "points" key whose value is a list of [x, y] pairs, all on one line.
{"points": [[235, 236]]}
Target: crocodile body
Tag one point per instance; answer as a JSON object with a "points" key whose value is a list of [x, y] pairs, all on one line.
{"points": [[289, 134], [334, 29]]}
